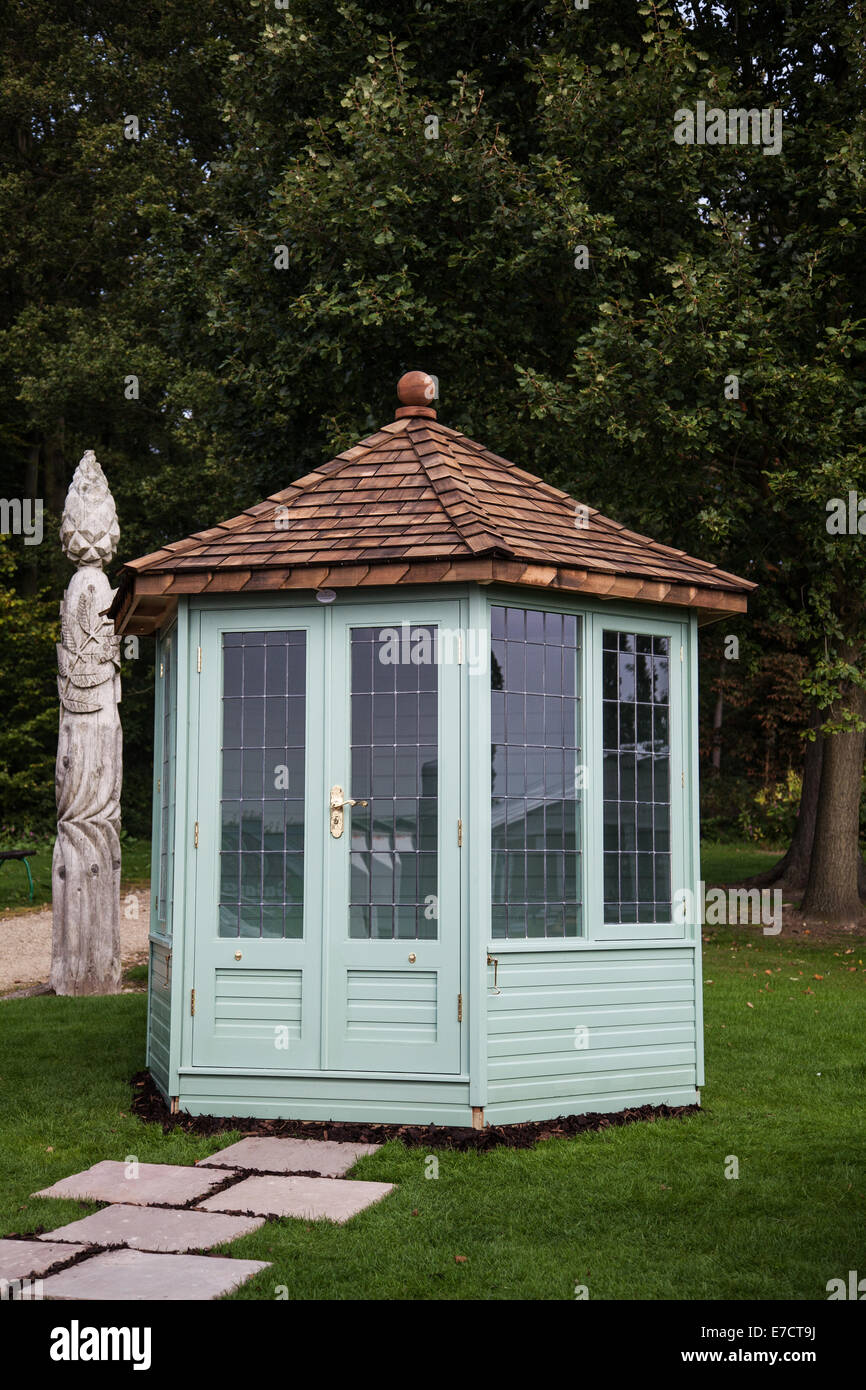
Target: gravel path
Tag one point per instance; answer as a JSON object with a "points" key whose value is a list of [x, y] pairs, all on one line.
{"points": [[25, 940]]}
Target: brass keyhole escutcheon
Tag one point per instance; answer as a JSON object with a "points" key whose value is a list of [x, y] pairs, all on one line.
{"points": [[412, 958], [238, 955]]}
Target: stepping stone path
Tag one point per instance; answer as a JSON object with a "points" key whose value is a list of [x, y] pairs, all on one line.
{"points": [[139, 1184], [157, 1228], [311, 1199], [330, 1160], [25, 1259], [140, 1275], [159, 1212]]}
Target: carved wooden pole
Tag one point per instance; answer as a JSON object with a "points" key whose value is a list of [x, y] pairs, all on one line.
{"points": [[86, 865]]}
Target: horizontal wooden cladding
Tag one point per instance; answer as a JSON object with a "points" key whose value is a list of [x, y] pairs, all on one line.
{"points": [[322, 1097], [667, 1088], [252, 1004], [580, 1026], [394, 1006], [159, 1015]]}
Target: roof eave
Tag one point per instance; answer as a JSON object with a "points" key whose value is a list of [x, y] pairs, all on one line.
{"points": [[145, 602]]}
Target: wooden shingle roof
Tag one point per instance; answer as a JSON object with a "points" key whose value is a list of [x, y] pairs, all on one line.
{"points": [[418, 503]]}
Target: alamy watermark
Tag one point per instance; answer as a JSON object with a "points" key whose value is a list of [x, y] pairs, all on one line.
{"points": [[737, 126], [719, 907], [440, 646], [22, 518]]}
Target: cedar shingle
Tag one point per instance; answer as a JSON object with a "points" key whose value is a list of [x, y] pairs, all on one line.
{"points": [[418, 492]]}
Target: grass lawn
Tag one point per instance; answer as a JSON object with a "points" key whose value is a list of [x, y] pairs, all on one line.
{"points": [[641, 1212], [731, 863], [14, 888]]}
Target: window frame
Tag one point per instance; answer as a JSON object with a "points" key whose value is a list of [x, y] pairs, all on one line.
{"points": [[542, 604], [678, 634]]}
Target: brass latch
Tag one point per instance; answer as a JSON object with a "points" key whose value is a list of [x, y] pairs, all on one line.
{"points": [[491, 960], [336, 806], [192, 1003]]}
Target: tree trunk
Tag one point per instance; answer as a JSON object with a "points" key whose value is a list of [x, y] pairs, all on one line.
{"points": [[791, 872], [832, 890]]}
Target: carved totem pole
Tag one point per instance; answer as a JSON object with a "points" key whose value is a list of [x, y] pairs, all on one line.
{"points": [[86, 866]]}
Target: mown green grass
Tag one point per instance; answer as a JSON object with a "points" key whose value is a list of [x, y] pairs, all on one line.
{"points": [[15, 890], [641, 1212], [732, 863]]}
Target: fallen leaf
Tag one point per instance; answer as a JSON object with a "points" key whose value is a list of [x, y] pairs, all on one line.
{"points": [[748, 1005], [460, 1259], [817, 977]]}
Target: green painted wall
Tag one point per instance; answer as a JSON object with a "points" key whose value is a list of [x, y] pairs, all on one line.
{"points": [[159, 1014], [590, 1030]]}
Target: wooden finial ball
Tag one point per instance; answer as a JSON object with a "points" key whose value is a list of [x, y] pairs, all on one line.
{"points": [[416, 388]]}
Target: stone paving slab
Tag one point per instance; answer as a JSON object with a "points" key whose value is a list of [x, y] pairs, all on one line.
{"points": [[312, 1199], [322, 1156], [21, 1258], [137, 1275], [156, 1228], [156, 1182]]}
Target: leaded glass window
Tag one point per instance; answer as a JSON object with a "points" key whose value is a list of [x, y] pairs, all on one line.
{"points": [[395, 768], [166, 789], [262, 799], [536, 781], [637, 778]]}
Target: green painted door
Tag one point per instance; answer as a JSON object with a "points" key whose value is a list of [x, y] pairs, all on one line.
{"points": [[393, 896], [322, 945], [257, 864]]}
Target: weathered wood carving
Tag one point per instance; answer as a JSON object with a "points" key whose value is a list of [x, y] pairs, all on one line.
{"points": [[86, 865]]}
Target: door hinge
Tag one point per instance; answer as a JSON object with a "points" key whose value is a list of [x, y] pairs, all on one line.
{"points": [[158, 783], [198, 666], [161, 670], [682, 656], [683, 776], [460, 1008], [195, 837], [460, 649], [192, 1003], [459, 834]]}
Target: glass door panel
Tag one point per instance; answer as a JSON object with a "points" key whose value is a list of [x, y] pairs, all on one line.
{"points": [[394, 901], [257, 861]]}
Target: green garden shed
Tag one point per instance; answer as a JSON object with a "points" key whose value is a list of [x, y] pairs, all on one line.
{"points": [[425, 793]]}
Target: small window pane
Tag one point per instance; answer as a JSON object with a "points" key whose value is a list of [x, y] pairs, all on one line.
{"points": [[535, 755], [635, 690], [262, 794]]}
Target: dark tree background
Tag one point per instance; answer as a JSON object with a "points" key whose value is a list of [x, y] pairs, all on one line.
{"points": [[284, 239]]}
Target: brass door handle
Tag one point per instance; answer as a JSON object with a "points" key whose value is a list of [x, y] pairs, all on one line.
{"points": [[336, 804]]}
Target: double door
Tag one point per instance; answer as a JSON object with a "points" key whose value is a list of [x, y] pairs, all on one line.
{"points": [[327, 877]]}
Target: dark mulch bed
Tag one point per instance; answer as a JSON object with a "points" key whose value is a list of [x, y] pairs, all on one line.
{"points": [[149, 1105]]}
